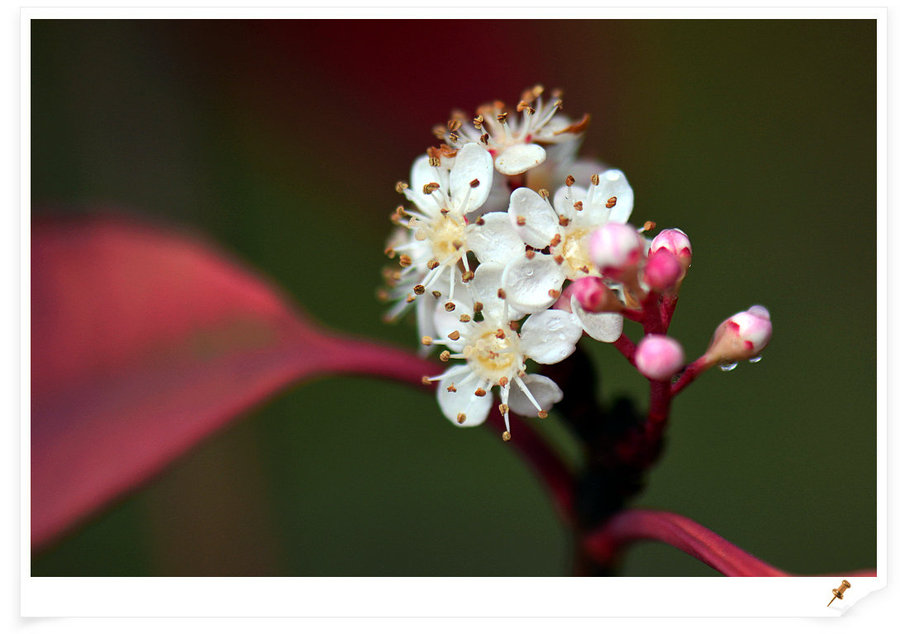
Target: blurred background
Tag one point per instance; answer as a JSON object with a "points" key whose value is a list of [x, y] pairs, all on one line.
{"points": [[282, 140]]}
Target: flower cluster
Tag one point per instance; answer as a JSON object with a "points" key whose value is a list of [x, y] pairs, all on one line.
{"points": [[510, 248]]}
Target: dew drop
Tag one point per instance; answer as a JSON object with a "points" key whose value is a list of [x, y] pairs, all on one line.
{"points": [[755, 359], [727, 367]]}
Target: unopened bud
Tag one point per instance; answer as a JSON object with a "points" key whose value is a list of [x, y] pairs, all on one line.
{"points": [[676, 242], [593, 295], [740, 337], [658, 357], [663, 271], [617, 250]]}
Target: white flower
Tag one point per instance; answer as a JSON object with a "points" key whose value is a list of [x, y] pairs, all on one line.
{"points": [[446, 191], [516, 141], [566, 225], [495, 354], [534, 281]]}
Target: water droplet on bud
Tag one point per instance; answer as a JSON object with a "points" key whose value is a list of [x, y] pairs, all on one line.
{"points": [[727, 367], [755, 359]]}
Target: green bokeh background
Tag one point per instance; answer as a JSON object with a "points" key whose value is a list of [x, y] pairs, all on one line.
{"points": [[282, 141]]}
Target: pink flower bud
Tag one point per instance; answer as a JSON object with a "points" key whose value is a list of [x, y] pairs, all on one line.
{"points": [[658, 357], [741, 336], [676, 242], [616, 249], [593, 295], [663, 271]]}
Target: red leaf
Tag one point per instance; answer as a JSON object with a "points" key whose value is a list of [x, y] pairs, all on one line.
{"points": [[143, 342]]}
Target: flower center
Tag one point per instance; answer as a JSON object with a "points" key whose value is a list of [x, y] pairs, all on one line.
{"points": [[574, 250], [493, 353], [447, 235]]}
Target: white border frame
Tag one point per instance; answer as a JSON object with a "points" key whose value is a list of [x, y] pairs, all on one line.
{"points": [[430, 597]]}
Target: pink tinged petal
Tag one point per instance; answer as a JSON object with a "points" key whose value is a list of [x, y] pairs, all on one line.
{"points": [[616, 248], [494, 240], [550, 336], [662, 271], [676, 242], [520, 158], [472, 166], [592, 294], [613, 184], [532, 284], [421, 174], [741, 336], [462, 407], [606, 327], [532, 217], [544, 391]]}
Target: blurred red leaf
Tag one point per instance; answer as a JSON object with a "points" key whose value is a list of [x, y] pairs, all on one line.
{"points": [[144, 341]]}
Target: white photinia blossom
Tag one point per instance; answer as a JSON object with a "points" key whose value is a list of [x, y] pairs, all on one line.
{"points": [[445, 191], [658, 357], [565, 226], [495, 353], [516, 140], [740, 337]]}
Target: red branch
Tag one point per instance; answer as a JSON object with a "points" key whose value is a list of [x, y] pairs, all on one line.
{"points": [[686, 535], [626, 346]]}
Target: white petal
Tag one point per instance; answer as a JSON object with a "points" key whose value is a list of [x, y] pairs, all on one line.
{"points": [[605, 327], [472, 163], [446, 321], [484, 289], [564, 201], [494, 240], [550, 336], [614, 183], [532, 284], [520, 158], [544, 391], [420, 175], [541, 222], [463, 400], [425, 320]]}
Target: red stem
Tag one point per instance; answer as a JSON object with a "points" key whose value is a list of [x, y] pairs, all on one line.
{"points": [[694, 369], [658, 413], [368, 358], [668, 309], [654, 322], [686, 535], [626, 346]]}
